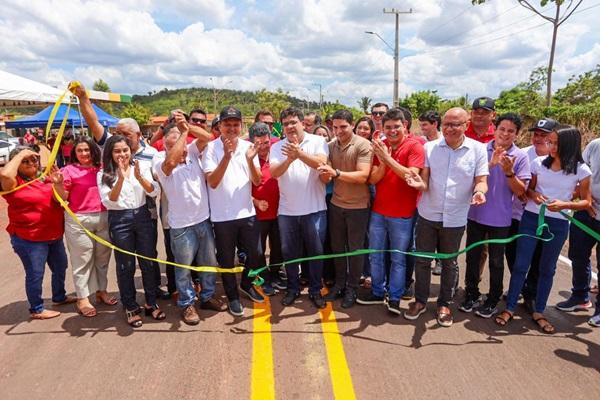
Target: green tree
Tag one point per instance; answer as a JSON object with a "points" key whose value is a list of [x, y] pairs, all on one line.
{"points": [[364, 103], [101, 86], [138, 112], [421, 101], [275, 102], [556, 21]]}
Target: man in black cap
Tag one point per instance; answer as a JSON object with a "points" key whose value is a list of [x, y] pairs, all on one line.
{"points": [[214, 128], [481, 127], [231, 168]]}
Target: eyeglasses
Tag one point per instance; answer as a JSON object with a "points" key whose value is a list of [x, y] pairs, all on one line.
{"points": [[30, 161], [453, 125], [198, 120], [378, 113]]}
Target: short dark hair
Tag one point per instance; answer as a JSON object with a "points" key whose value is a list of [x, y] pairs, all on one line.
{"points": [[380, 105], [431, 116], [512, 117], [291, 112], [197, 111], [261, 113], [393, 114], [407, 115], [343, 114], [95, 152], [318, 120]]}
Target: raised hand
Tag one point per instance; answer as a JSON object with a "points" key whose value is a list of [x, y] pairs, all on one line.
{"points": [[122, 168], [291, 150], [181, 122], [507, 163], [251, 152], [381, 151], [136, 170], [228, 147], [77, 89], [56, 176], [496, 156]]}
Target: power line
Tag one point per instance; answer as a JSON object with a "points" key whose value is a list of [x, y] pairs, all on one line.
{"points": [[438, 27]]}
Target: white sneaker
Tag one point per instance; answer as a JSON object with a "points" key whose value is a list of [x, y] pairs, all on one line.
{"points": [[595, 320]]}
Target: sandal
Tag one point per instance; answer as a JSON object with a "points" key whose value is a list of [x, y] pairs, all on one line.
{"points": [[503, 318], [105, 298], [133, 318], [544, 325], [67, 300], [155, 312], [87, 310]]}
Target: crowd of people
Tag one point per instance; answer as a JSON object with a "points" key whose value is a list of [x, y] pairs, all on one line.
{"points": [[323, 187]]}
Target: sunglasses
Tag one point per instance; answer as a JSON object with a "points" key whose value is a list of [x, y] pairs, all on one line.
{"points": [[378, 113], [198, 120], [31, 161]]}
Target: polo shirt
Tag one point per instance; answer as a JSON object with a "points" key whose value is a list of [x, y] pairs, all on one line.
{"points": [[185, 190], [451, 180], [232, 198], [345, 158], [486, 138], [497, 210], [393, 197], [268, 190], [301, 192]]}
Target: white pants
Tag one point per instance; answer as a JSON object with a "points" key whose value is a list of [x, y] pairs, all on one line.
{"points": [[89, 259]]}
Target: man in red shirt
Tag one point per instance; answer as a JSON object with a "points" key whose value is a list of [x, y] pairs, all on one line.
{"points": [[197, 117], [481, 127], [394, 207], [265, 197]]}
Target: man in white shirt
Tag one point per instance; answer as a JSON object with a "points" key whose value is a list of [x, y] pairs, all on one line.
{"points": [[455, 176], [191, 235], [302, 217], [231, 167]]}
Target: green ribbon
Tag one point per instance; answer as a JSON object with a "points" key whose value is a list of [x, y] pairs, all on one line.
{"points": [[433, 255]]}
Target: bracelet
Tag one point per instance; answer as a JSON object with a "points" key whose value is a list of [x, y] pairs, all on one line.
{"points": [[337, 173], [510, 176]]}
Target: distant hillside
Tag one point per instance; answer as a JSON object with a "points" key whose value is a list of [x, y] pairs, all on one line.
{"points": [[162, 102]]}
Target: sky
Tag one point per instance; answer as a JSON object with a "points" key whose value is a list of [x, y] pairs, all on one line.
{"points": [[139, 46]]}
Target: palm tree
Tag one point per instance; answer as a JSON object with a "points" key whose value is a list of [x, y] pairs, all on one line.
{"points": [[365, 103]]}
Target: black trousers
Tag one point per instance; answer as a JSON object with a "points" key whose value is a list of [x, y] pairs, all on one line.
{"points": [[269, 229], [228, 234]]}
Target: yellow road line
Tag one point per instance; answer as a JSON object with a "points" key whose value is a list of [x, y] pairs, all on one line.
{"points": [[263, 380], [341, 380]]}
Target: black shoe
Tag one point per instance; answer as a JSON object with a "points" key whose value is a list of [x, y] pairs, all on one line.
{"points": [[349, 298], [235, 308], [486, 310], [252, 294], [317, 300], [163, 294], [289, 298], [409, 293], [468, 304], [268, 289], [279, 283], [370, 298], [393, 306], [333, 294]]}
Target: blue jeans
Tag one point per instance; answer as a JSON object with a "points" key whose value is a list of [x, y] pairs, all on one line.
{"points": [[580, 251], [525, 249], [34, 256], [133, 230], [194, 245], [299, 232], [400, 232]]}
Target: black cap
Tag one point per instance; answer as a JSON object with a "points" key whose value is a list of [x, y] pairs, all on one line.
{"points": [[485, 103], [258, 129], [215, 122], [230, 112], [545, 125]]}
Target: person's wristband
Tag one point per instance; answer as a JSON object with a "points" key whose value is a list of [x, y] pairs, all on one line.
{"points": [[509, 175], [337, 173]]}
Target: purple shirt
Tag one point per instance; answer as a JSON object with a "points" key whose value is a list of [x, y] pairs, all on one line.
{"points": [[497, 210]]}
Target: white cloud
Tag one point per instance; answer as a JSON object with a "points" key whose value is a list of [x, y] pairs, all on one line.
{"points": [[139, 46]]}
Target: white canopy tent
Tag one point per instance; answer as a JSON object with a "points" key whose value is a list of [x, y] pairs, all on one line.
{"points": [[18, 91]]}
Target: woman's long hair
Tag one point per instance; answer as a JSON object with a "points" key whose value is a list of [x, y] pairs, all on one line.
{"points": [[95, 152], [109, 171], [569, 150], [369, 121]]}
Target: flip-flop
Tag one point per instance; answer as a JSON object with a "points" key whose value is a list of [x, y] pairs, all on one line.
{"points": [[547, 328], [110, 302]]}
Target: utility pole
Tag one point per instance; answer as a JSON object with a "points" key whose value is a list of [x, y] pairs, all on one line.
{"points": [[397, 13], [320, 97]]}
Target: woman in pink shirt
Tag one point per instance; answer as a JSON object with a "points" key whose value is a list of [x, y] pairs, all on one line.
{"points": [[89, 259]]}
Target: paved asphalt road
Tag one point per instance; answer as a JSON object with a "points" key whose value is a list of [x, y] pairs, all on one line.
{"points": [[292, 353]]}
